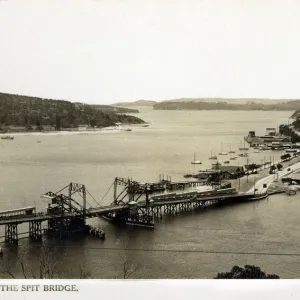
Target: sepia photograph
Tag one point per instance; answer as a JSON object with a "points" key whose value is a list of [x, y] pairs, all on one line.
{"points": [[149, 139]]}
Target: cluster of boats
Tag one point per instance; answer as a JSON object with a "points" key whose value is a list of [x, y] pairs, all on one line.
{"points": [[223, 153], [258, 147]]}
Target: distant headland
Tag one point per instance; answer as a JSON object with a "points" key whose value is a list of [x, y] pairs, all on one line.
{"points": [[228, 104], [136, 103], [217, 104]]}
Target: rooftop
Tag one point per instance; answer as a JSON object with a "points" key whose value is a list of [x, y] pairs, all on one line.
{"points": [[230, 169]]}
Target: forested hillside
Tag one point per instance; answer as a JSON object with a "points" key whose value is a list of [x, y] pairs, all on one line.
{"points": [[117, 110], [32, 112]]}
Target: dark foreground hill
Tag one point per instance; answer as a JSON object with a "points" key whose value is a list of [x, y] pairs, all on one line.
{"points": [[33, 112]]}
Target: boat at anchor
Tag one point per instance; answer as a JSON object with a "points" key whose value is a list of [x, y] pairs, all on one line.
{"points": [[222, 153], [243, 148], [231, 151], [212, 156], [7, 137], [196, 162]]}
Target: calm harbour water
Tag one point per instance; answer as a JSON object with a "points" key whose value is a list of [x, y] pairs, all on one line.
{"points": [[29, 169]]}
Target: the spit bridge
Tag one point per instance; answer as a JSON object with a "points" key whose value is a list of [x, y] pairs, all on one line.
{"points": [[132, 205]]}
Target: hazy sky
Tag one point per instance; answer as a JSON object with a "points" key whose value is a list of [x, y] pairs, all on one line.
{"points": [[105, 51]]}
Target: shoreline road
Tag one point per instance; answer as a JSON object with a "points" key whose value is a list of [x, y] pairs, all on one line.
{"points": [[268, 180]]}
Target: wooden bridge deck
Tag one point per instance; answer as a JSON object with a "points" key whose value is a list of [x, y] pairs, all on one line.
{"points": [[65, 216], [104, 210], [163, 201], [41, 216]]}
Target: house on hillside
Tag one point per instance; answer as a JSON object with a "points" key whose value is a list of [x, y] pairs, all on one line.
{"points": [[48, 128], [82, 127], [13, 128]]}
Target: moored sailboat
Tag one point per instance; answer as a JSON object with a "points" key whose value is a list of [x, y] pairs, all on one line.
{"points": [[222, 153], [196, 162], [212, 156], [244, 148], [231, 151]]}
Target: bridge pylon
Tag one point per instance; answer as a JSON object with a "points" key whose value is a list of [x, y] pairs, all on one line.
{"points": [[133, 213], [11, 233], [35, 230]]}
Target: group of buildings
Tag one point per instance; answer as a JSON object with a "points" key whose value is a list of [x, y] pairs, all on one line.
{"points": [[219, 172]]}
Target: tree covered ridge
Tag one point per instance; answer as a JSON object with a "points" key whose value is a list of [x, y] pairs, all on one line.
{"points": [[32, 112], [211, 105]]}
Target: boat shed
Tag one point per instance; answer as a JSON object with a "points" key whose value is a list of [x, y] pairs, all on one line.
{"points": [[230, 172]]}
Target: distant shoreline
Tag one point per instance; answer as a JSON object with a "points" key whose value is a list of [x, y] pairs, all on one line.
{"points": [[68, 132]]}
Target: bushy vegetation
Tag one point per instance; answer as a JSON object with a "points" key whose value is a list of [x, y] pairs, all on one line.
{"points": [[287, 131], [37, 112], [117, 110], [248, 272]]}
